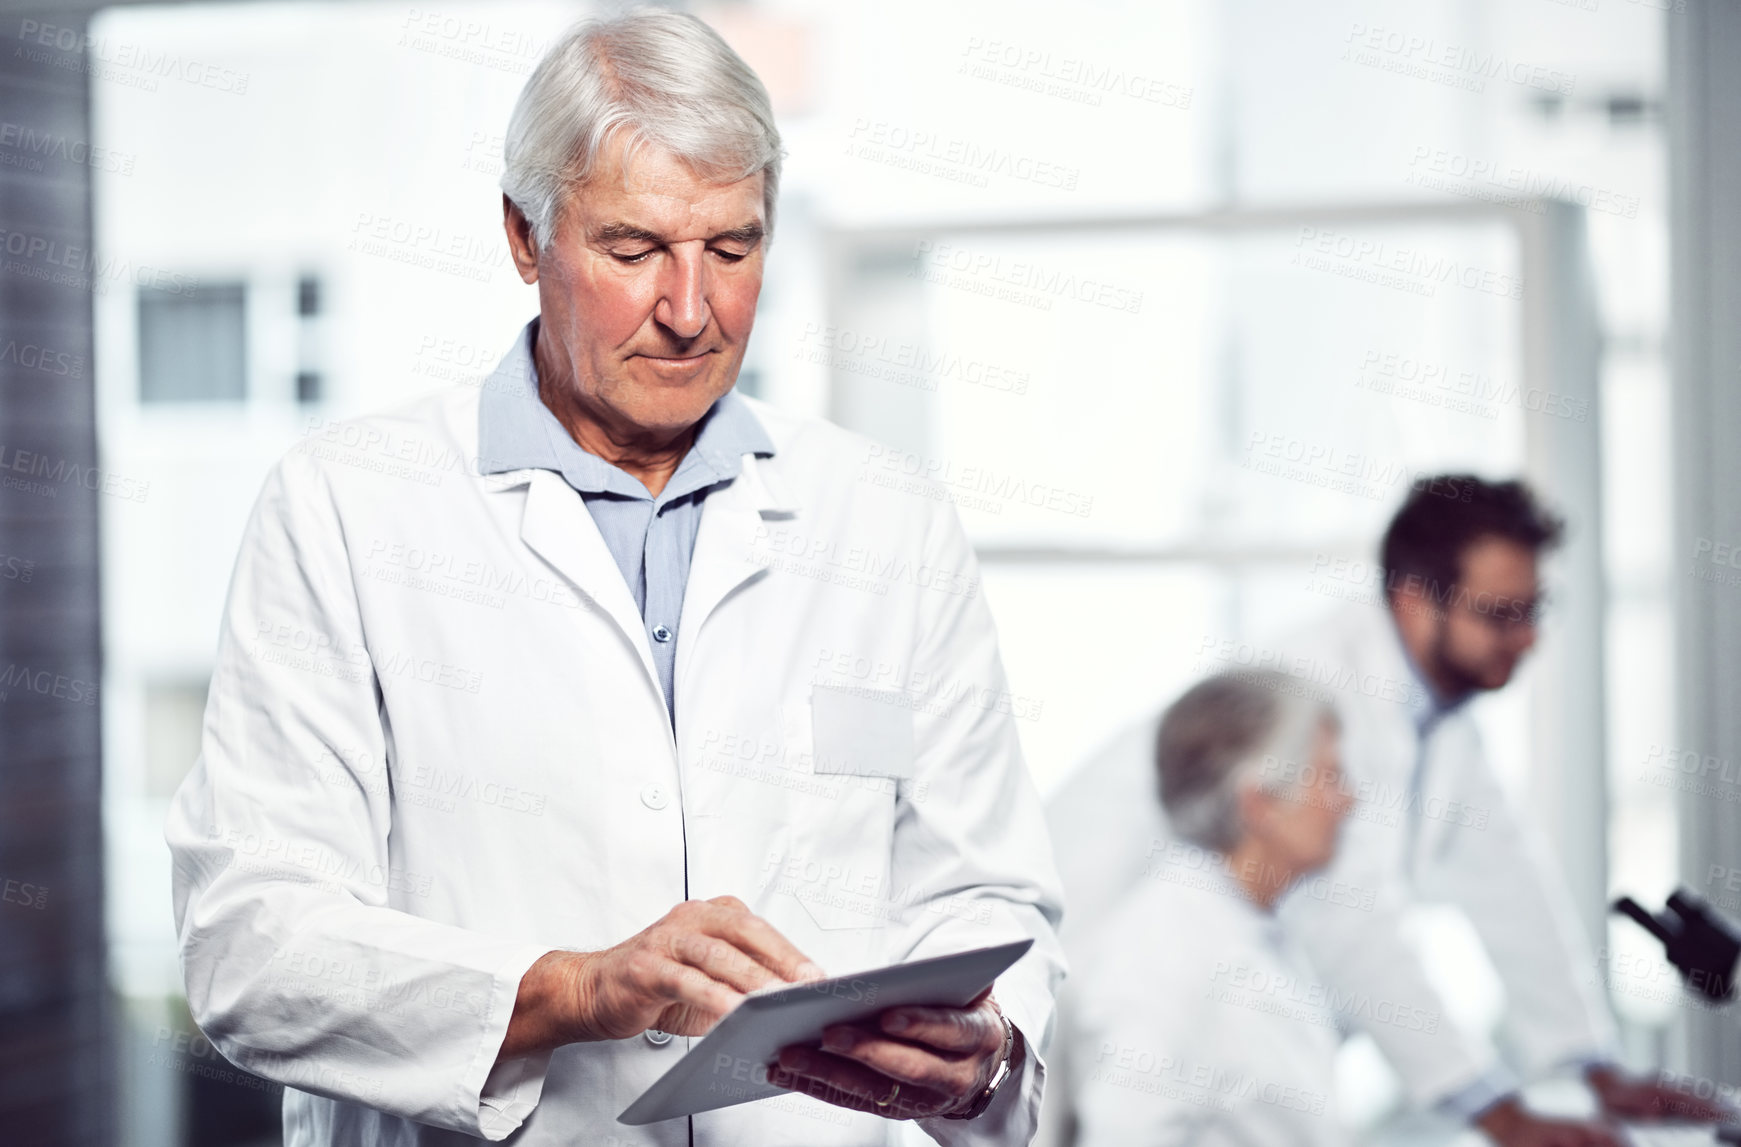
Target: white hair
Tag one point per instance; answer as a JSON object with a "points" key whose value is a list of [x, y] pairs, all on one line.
{"points": [[649, 77], [1228, 732]]}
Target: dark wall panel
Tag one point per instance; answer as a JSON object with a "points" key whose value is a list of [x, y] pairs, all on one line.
{"points": [[56, 1080]]}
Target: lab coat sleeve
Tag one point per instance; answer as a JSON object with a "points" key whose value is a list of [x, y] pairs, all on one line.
{"points": [[972, 863], [1497, 869], [296, 966], [1349, 921]]}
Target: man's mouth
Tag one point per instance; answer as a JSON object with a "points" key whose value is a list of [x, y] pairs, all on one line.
{"points": [[677, 360], [678, 370]]}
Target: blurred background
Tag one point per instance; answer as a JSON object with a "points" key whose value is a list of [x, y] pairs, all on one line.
{"points": [[1177, 298]]}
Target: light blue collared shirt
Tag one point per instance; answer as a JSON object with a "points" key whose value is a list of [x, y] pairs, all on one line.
{"points": [[652, 539]]}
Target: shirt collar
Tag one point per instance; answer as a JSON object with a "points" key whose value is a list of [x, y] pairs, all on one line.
{"points": [[1263, 922], [516, 431]]}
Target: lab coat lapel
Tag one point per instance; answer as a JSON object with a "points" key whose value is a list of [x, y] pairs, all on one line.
{"points": [[725, 546], [557, 526]]}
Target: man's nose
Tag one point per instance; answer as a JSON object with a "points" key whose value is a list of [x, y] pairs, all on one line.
{"points": [[682, 307]]}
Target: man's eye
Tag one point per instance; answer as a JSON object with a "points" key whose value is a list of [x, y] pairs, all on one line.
{"points": [[636, 257], [730, 256]]}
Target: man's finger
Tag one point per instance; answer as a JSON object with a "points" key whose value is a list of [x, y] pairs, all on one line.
{"points": [[853, 1079], [951, 1029], [853, 1086], [904, 1062], [721, 960], [691, 986], [901, 1107], [761, 940]]}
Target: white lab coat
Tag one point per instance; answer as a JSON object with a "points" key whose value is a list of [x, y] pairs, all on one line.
{"points": [[1471, 850], [436, 748], [1224, 1041]]}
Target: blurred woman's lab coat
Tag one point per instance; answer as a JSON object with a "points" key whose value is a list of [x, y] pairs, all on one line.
{"points": [[1194, 1024]]}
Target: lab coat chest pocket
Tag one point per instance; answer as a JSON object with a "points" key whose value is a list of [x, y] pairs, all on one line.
{"points": [[861, 732], [861, 749]]}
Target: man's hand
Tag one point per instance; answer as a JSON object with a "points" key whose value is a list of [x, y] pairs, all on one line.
{"points": [[1624, 1096], [1509, 1124], [680, 975], [910, 1063]]}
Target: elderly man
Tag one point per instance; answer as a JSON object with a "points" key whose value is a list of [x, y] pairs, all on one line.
{"points": [[517, 776], [1194, 1021]]}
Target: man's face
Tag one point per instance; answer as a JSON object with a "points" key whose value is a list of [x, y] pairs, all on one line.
{"points": [[1489, 623], [648, 291]]}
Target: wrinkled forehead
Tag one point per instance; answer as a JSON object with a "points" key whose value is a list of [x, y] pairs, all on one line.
{"points": [[640, 176]]}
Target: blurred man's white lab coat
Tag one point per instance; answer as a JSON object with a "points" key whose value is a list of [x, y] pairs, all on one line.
{"points": [[1433, 826]]}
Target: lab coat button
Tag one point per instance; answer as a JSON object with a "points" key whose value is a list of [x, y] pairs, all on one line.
{"points": [[654, 796], [661, 634], [657, 1038]]}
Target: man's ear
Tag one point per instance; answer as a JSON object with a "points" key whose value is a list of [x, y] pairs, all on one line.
{"points": [[520, 245], [1255, 807], [1415, 610]]}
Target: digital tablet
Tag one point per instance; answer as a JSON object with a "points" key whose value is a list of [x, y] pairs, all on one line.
{"points": [[730, 1064]]}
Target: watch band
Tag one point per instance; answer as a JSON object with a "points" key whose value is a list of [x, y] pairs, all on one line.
{"points": [[1003, 1072]]}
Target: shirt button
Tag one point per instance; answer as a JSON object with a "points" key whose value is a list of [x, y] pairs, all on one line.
{"points": [[661, 634], [657, 1038], [655, 797]]}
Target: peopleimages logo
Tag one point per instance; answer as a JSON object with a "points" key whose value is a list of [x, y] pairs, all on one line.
{"points": [[1444, 170], [1716, 562], [1387, 264], [1016, 280], [1451, 64], [997, 487], [1467, 391], [132, 65], [1065, 77], [959, 160], [61, 364], [874, 356], [50, 260], [57, 473]]}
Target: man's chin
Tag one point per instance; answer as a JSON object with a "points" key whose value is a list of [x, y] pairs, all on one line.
{"points": [[673, 408], [1499, 676]]}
